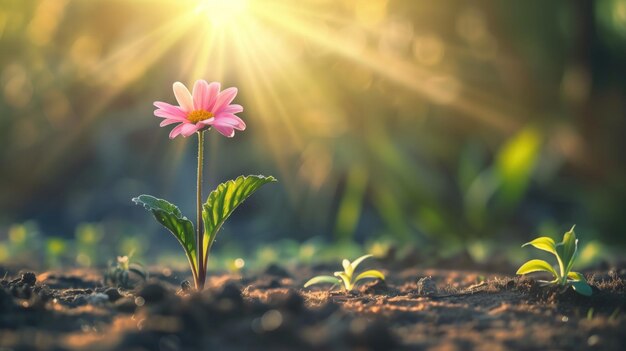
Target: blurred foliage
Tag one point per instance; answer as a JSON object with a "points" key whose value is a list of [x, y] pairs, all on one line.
{"points": [[66, 252], [388, 121]]}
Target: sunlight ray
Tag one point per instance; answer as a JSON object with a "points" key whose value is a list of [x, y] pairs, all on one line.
{"points": [[395, 69], [269, 87], [251, 83], [126, 64]]}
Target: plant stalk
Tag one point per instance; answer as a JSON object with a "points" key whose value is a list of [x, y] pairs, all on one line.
{"points": [[199, 235]]}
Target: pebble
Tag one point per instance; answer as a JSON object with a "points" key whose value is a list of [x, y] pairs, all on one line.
{"points": [[97, 299], [29, 278], [426, 286], [113, 294], [80, 300], [185, 285]]}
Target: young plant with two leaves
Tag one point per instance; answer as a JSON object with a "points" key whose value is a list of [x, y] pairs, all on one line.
{"points": [[565, 252], [347, 275], [206, 108]]}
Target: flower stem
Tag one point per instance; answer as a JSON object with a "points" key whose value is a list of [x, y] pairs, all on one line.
{"points": [[199, 234]]}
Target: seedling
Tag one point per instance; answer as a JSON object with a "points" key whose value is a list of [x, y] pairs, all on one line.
{"points": [[347, 276], [119, 275], [565, 253], [206, 108]]}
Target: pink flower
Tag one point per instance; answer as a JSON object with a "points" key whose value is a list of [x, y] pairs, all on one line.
{"points": [[206, 107]]}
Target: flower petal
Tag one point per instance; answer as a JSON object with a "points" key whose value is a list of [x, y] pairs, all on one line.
{"points": [[183, 97], [168, 121], [165, 114], [231, 120], [207, 122], [232, 109], [169, 110], [189, 128], [225, 130], [213, 91], [200, 96], [176, 131], [223, 99]]}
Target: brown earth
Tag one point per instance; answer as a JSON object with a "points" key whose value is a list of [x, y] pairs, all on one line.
{"points": [[453, 310]]}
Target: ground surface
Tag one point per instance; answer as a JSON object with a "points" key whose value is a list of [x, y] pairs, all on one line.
{"points": [[454, 310]]}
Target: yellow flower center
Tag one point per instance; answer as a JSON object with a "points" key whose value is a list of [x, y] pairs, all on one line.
{"points": [[198, 115]]}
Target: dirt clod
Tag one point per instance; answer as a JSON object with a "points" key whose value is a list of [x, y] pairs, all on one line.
{"points": [[376, 287], [113, 294], [185, 286], [28, 278], [290, 301], [153, 292], [426, 286], [277, 271]]}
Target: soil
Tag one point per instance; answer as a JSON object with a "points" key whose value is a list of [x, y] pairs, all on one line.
{"points": [[415, 309]]}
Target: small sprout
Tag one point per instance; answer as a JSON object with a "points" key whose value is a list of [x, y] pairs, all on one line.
{"points": [[118, 275], [346, 277], [565, 253]]}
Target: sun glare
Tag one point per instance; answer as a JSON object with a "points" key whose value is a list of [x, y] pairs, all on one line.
{"points": [[264, 44], [222, 12]]}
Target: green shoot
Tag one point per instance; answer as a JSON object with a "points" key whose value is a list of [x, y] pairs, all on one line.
{"points": [[565, 253], [347, 275], [119, 275]]}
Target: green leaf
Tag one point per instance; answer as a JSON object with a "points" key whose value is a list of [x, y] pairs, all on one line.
{"points": [[171, 218], [547, 244], [347, 267], [543, 243], [370, 274], [515, 163], [358, 261], [567, 250], [582, 287], [576, 276], [223, 201], [347, 281], [536, 266], [322, 279]]}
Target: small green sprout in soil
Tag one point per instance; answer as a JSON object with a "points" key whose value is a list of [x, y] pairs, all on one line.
{"points": [[347, 276], [200, 111], [565, 253], [119, 275]]}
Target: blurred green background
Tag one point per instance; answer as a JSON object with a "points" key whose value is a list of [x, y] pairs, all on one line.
{"points": [[399, 127]]}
